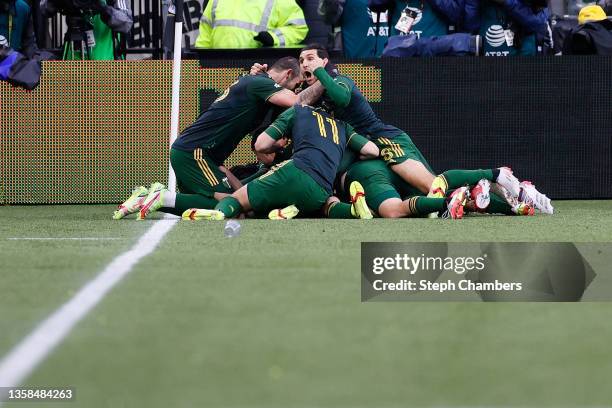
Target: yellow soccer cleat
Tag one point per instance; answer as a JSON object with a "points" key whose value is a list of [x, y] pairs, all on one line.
{"points": [[195, 214], [132, 204], [153, 202], [438, 188], [286, 213], [359, 207]]}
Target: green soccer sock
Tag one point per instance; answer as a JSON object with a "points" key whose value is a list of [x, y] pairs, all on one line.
{"points": [[229, 206], [340, 210], [187, 201], [459, 178], [252, 177], [425, 205], [498, 206]]}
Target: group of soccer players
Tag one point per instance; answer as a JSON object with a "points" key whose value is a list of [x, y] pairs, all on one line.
{"points": [[345, 161]]}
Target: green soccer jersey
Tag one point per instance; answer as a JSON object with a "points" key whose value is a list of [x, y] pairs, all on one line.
{"points": [[231, 117], [349, 105], [319, 141]]}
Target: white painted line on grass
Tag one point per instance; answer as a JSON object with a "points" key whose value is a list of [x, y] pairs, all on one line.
{"points": [[61, 238], [19, 363]]}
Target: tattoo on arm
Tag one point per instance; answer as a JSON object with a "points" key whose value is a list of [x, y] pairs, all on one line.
{"points": [[311, 94]]}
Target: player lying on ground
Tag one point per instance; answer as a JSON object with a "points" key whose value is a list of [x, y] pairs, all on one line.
{"points": [[197, 156], [391, 197], [305, 181], [396, 147]]}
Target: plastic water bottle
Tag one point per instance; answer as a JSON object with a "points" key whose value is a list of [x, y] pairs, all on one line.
{"points": [[232, 229]]}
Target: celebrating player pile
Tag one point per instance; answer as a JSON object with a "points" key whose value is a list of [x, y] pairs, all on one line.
{"points": [[340, 149]]}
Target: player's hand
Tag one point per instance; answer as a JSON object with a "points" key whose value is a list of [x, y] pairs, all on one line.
{"points": [[282, 142], [265, 158], [258, 68], [317, 63]]}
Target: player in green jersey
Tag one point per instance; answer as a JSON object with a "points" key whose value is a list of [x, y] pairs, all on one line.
{"points": [[396, 147], [197, 156], [391, 197], [305, 181]]}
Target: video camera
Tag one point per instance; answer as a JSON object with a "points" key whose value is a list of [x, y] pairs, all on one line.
{"points": [[77, 8]]}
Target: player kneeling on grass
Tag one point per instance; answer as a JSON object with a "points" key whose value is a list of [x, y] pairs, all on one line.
{"points": [[303, 183], [197, 156]]}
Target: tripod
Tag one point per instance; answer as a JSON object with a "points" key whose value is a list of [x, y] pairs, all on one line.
{"points": [[78, 39]]}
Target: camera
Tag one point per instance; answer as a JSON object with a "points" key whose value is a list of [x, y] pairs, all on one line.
{"points": [[77, 7]]}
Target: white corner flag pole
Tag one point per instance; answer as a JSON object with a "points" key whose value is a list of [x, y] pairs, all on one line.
{"points": [[176, 85]]}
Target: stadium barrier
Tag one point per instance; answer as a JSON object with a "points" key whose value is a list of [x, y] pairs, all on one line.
{"points": [[93, 130]]}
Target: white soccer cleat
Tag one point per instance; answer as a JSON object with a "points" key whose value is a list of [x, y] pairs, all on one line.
{"points": [[531, 196], [508, 181], [502, 192], [481, 194]]}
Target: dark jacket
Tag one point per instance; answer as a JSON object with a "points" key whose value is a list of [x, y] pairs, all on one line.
{"points": [[594, 37], [22, 38]]}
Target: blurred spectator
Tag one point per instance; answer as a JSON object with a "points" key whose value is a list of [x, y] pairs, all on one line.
{"points": [[92, 27], [456, 44], [424, 28], [508, 27], [17, 28], [591, 13], [562, 26], [431, 17], [18, 69], [251, 24], [593, 34], [319, 31], [360, 32]]}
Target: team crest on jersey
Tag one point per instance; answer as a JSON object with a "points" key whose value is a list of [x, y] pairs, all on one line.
{"points": [[495, 36]]}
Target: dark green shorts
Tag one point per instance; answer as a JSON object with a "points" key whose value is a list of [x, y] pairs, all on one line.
{"points": [[197, 174], [286, 185], [379, 182], [399, 149]]}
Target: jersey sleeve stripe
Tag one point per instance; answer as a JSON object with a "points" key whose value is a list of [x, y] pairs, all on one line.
{"points": [[271, 95]]}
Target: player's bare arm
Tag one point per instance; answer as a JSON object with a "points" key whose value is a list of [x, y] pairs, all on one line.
{"points": [[267, 144]]}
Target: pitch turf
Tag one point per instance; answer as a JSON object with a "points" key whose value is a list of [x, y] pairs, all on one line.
{"points": [[273, 318]]}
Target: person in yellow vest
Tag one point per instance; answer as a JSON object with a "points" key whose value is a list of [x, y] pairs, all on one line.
{"points": [[251, 24]]}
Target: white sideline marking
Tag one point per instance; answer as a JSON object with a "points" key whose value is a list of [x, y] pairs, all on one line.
{"points": [[59, 238], [19, 363]]}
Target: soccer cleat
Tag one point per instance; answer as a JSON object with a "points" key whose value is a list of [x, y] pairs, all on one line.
{"points": [[359, 207], [532, 197], [502, 192], [438, 188], [480, 194], [507, 180], [195, 214], [454, 208], [286, 213], [153, 202], [132, 204], [523, 209]]}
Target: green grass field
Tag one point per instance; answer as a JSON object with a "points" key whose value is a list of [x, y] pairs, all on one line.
{"points": [[273, 317]]}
